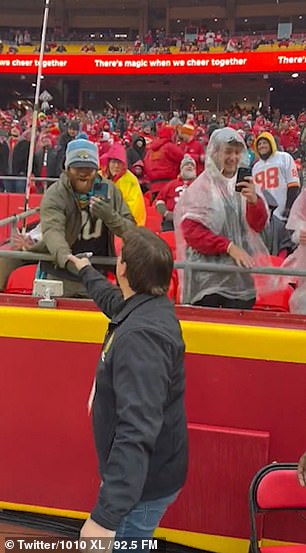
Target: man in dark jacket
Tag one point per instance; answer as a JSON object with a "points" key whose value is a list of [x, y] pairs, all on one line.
{"points": [[71, 133], [137, 151], [4, 158], [139, 417], [20, 161]]}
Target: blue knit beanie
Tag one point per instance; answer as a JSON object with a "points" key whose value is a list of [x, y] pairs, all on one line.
{"points": [[82, 153]]}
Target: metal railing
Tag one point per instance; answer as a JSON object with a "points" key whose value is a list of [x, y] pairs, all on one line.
{"points": [[207, 267], [186, 266], [45, 181], [13, 220], [111, 261]]}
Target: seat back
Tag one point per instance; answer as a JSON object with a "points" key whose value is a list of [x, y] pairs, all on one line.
{"points": [[21, 280], [169, 237], [154, 219], [274, 488], [274, 300]]}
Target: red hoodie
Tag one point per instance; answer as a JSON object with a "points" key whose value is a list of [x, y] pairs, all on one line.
{"points": [[289, 139], [162, 161]]}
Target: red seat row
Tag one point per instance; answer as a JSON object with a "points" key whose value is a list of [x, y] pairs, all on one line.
{"points": [[21, 280]]}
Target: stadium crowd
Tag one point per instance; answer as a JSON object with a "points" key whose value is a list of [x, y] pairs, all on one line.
{"points": [[174, 172], [155, 41]]}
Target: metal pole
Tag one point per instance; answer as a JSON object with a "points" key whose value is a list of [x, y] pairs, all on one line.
{"points": [[36, 108]]}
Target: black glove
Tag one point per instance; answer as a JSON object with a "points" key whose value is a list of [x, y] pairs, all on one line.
{"points": [[100, 208]]}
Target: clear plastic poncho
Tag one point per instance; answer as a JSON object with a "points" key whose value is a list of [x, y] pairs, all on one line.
{"points": [[213, 201], [297, 260]]}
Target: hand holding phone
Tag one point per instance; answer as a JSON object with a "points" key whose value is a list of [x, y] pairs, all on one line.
{"points": [[243, 173], [246, 187]]}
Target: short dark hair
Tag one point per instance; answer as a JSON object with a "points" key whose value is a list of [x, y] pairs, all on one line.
{"points": [[149, 261]]}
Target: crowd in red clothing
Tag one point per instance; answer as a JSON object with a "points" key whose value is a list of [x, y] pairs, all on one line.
{"points": [[166, 152], [163, 139]]}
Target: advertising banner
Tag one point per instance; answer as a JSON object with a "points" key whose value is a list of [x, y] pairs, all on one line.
{"points": [[193, 63]]}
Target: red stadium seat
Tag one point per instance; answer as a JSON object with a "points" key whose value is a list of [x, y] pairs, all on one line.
{"points": [[173, 289], [117, 244], [154, 219], [274, 301], [275, 488], [111, 278], [169, 237], [21, 280]]}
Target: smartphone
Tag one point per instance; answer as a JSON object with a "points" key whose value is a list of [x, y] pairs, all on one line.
{"points": [[243, 172], [84, 254], [101, 191]]}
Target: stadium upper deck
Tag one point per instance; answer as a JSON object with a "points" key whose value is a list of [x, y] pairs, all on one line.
{"points": [[140, 15]]}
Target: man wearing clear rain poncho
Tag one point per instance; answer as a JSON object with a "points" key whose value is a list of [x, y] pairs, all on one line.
{"points": [[297, 260], [216, 224]]}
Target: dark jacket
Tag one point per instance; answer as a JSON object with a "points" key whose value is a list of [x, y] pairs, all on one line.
{"points": [[277, 237], [139, 417], [51, 163], [63, 142], [4, 158], [20, 157], [134, 153]]}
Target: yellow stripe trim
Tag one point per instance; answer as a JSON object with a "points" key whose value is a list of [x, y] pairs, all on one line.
{"points": [[209, 542], [38, 510], [226, 340]]}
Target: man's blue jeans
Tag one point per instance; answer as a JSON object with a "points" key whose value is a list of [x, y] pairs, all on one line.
{"points": [[143, 519]]}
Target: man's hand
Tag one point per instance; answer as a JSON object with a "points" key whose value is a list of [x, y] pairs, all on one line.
{"points": [[168, 215], [286, 212], [241, 257], [248, 191], [301, 471], [302, 238], [79, 263], [99, 208], [91, 529], [22, 242]]}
